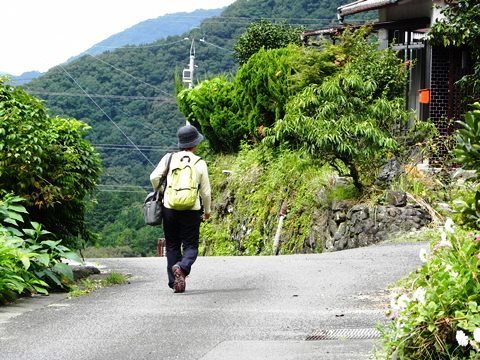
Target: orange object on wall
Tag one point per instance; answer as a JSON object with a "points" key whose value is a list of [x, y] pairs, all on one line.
{"points": [[424, 96]]}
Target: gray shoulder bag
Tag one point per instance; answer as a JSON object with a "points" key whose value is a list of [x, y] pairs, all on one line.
{"points": [[152, 206]]}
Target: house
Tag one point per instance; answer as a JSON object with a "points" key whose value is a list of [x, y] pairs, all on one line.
{"points": [[432, 91]]}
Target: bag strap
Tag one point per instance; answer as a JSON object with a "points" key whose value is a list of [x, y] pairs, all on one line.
{"points": [[164, 175], [163, 178]]}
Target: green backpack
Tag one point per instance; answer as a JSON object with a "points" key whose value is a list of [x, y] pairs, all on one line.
{"points": [[182, 187]]}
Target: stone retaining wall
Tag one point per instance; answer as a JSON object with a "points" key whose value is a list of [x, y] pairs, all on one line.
{"points": [[361, 225]]}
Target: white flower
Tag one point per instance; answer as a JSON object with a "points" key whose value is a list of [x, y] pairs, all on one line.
{"points": [[476, 334], [449, 269], [462, 339], [423, 255], [443, 243], [393, 301], [449, 226], [402, 302], [443, 236], [419, 295]]}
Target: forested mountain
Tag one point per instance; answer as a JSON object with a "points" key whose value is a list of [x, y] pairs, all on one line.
{"points": [[23, 78], [127, 96], [152, 30]]}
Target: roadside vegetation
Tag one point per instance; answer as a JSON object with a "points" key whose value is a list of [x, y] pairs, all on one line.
{"points": [[30, 257], [47, 170], [291, 131], [86, 286], [435, 311], [287, 126]]}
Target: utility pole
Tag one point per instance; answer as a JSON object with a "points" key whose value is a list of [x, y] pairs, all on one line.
{"points": [[187, 75]]}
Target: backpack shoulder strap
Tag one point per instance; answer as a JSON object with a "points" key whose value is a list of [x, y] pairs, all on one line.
{"points": [[163, 178], [167, 167]]}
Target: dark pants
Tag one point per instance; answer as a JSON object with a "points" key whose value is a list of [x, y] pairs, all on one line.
{"points": [[182, 230]]}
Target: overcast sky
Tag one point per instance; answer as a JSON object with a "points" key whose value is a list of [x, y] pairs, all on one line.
{"points": [[39, 34]]}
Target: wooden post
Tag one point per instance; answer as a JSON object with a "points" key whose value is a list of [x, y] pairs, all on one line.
{"points": [[276, 240]]}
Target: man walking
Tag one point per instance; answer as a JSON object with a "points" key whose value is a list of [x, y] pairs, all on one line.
{"points": [[181, 219]]}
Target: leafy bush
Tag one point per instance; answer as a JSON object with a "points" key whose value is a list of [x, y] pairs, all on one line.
{"points": [[47, 161], [228, 112], [353, 119], [265, 35], [30, 262], [211, 106], [264, 85], [438, 316], [467, 153]]}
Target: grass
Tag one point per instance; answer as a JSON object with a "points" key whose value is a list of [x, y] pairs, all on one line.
{"points": [[86, 286]]}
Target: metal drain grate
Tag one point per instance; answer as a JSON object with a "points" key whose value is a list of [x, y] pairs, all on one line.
{"points": [[337, 334]]}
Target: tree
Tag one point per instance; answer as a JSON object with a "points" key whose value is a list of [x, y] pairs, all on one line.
{"points": [[264, 85], [265, 35], [46, 161], [231, 111], [353, 119], [211, 106]]}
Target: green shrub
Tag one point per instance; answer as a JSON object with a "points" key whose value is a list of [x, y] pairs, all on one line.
{"points": [[30, 261], [47, 162], [467, 153], [354, 119]]}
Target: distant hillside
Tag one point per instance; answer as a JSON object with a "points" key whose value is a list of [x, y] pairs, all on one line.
{"points": [[134, 87], [152, 30], [24, 78], [127, 96]]}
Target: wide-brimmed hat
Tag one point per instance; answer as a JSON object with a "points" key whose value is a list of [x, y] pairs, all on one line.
{"points": [[188, 137]]}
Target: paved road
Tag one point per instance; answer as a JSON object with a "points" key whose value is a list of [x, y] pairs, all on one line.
{"points": [[234, 308]]}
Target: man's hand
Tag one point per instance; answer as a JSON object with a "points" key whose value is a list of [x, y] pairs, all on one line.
{"points": [[206, 216]]}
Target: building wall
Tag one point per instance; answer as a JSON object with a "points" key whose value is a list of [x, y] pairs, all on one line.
{"points": [[439, 85], [446, 105]]}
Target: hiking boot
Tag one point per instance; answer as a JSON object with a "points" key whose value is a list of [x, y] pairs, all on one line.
{"points": [[179, 284]]}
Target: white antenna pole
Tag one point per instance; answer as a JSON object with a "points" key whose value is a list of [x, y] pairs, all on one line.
{"points": [[192, 65], [187, 75]]}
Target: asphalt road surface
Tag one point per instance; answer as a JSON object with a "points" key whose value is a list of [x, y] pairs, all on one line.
{"points": [[234, 308]]}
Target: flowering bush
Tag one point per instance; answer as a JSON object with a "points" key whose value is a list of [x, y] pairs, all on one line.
{"points": [[438, 315]]}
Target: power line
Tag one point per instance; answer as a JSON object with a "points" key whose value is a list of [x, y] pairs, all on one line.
{"points": [[162, 100], [218, 47], [123, 191], [123, 186], [229, 18], [140, 122], [119, 97], [129, 47], [109, 118], [130, 146], [115, 97], [133, 148], [128, 74]]}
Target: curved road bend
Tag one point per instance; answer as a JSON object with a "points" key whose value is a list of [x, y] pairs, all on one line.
{"points": [[234, 308]]}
